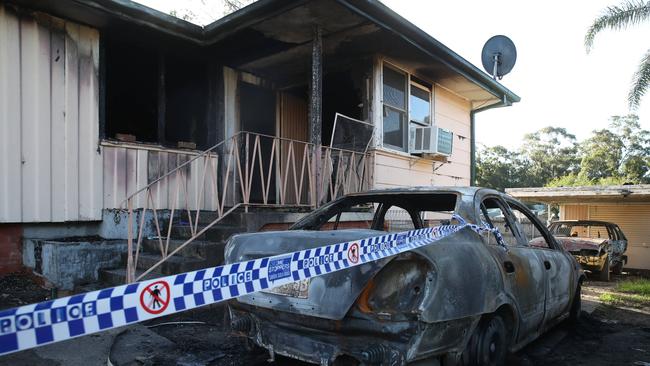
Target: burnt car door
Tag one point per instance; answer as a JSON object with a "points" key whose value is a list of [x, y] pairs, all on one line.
{"points": [[523, 270], [618, 246], [557, 263]]}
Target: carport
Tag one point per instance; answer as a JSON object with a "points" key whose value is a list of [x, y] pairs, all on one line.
{"points": [[627, 205]]}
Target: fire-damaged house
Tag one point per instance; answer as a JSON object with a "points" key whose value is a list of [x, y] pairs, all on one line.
{"points": [[121, 122]]}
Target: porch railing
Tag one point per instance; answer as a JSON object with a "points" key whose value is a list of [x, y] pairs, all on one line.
{"points": [[245, 170]]}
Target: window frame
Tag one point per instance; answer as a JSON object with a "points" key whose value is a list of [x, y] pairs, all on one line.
{"points": [[546, 234], [428, 91], [407, 112]]}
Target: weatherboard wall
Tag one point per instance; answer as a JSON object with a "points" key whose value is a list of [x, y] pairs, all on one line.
{"points": [[50, 164], [397, 169]]}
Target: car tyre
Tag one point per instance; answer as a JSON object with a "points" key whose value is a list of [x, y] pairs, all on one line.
{"points": [[488, 345], [576, 305], [604, 273]]}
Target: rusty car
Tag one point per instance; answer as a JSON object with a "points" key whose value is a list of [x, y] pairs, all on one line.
{"points": [[467, 299], [599, 246]]}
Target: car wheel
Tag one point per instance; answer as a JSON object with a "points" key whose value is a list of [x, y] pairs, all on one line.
{"points": [[488, 345], [604, 273], [617, 269], [576, 305]]}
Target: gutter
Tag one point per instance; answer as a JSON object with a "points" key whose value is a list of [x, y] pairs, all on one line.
{"points": [[472, 147], [385, 17]]}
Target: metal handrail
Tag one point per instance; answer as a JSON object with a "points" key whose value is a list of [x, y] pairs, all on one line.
{"points": [[294, 182]]}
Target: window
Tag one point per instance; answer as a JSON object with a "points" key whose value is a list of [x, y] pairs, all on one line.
{"points": [[420, 105], [529, 228], [407, 102], [395, 129]]}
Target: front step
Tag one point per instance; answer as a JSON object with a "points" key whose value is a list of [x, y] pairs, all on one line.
{"points": [[212, 251], [173, 264], [216, 233], [117, 276]]}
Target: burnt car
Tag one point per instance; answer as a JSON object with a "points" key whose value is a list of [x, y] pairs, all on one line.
{"points": [[467, 299], [599, 246]]}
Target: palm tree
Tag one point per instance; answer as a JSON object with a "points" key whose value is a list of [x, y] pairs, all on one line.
{"points": [[628, 13]]}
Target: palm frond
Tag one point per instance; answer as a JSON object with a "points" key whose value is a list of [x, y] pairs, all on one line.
{"points": [[630, 12], [640, 82]]}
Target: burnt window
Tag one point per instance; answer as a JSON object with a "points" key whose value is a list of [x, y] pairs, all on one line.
{"points": [[131, 81], [186, 93]]}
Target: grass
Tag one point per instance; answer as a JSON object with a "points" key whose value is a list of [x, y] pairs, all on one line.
{"points": [[632, 293], [639, 287]]}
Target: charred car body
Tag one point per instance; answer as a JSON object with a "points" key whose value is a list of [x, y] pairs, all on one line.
{"points": [[466, 299], [598, 246]]}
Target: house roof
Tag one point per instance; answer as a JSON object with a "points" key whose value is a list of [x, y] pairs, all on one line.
{"points": [[460, 75], [588, 194]]}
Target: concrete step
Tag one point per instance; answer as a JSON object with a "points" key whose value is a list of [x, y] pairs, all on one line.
{"points": [[117, 276], [215, 233], [173, 264], [207, 217], [195, 249]]}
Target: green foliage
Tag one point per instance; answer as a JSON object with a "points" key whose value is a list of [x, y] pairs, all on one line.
{"points": [[631, 293], [551, 152], [601, 155], [616, 155], [630, 12], [639, 286]]}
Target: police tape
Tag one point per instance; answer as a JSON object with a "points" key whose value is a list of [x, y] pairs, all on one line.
{"points": [[57, 320]]}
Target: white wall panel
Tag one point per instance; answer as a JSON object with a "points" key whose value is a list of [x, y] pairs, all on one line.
{"points": [[50, 166], [130, 167], [10, 117]]}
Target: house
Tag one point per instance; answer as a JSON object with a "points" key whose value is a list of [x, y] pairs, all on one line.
{"points": [[118, 119], [627, 205]]}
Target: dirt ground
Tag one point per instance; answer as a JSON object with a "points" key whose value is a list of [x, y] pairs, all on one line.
{"points": [[606, 335]]}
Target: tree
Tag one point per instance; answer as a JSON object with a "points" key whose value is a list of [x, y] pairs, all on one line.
{"points": [[552, 152], [615, 155], [630, 12], [499, 168], [601, 155], [635, 154]]}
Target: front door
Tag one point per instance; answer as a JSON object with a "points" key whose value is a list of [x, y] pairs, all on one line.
{"points": [[257, 115]]}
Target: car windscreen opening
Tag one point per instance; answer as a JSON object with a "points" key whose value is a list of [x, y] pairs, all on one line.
{"points": [[383, 212]]}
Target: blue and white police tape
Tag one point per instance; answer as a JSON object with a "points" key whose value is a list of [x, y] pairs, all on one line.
{"points": [[56, 320]]}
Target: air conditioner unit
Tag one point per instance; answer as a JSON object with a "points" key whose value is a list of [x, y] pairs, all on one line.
{"points": [[430, 140]]}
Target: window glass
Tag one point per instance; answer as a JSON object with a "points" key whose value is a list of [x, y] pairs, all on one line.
{"points": [[420, 105], [394, 88], [394, 127], [529, 229]]}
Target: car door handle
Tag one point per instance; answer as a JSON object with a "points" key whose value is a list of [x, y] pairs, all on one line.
{"points": [[547, 264], [510, 268]]}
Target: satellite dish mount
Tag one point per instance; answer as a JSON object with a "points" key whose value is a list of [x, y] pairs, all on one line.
{"points": [[498, 56]]}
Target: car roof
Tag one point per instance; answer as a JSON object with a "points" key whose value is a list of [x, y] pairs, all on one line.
{"points": [[585, 222], [466, 190]]}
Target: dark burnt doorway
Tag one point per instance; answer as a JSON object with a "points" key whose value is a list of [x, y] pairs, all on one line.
{"points": [[257, 115]]}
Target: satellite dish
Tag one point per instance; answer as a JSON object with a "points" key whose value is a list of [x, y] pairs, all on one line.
{"points": [[499, 56]]}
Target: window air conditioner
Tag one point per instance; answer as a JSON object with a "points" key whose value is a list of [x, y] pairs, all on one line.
{"points": [[430, 140]]}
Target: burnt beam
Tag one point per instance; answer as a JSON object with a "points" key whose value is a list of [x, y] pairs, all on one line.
{"points": [[316, 108]]}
